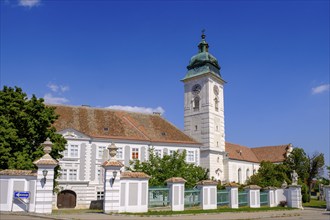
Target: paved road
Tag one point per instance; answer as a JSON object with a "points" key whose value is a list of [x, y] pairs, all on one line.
{"points": [[307, 214]]}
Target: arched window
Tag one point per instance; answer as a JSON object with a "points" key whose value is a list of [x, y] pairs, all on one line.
{"points": [[216, 104], [196, 103], [239, 176]]}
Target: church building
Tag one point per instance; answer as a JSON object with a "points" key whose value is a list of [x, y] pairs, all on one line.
{"points": [[89, 131]]}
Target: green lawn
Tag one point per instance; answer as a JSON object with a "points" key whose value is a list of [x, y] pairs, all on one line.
{"points": [[219, 210], [165, 212], [315, 204]]}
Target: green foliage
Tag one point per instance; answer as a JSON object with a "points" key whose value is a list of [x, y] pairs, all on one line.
{"points": [[304, 192], [161, 169], [269, 174], [24, 126], [298, 161]]}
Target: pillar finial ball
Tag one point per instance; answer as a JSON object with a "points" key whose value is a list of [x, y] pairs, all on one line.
{"points": [[47, 146]]}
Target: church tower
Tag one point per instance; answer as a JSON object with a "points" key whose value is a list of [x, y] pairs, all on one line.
{"points": [[204, 109]]}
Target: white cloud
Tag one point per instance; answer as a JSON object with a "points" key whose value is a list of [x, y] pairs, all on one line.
{"points": [[64, 88], [320, 89], [57, 88], [53, 87], [29, 3], [50, 99], [137, 109]]}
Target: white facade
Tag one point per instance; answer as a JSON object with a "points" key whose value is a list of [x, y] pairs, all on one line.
{"points": [[81, 170], [240, 171]]}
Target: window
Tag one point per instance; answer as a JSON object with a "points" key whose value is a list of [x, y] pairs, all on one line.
{"points": [[158, 152], [239, 175], [135, 153], [100, 151], [65, 152], [119, 154], [100, 174], [216, 104], [63, 174], [254, 171], [196, 103], [68, 174], [73, 151], [247, 174], [100, 195], [171, 152], [72, 174], [190, 156]]}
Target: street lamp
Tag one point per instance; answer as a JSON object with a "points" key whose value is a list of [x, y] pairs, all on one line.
{"points": [[44, 173]]}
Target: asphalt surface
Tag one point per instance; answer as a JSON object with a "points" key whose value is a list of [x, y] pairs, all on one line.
{"points": [[306, 214]]}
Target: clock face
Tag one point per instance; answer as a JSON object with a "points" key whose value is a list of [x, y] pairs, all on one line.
{"points": [[196, 88], [216, 90]]}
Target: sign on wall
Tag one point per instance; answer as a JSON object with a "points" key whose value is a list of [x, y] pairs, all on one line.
{"points": [[21, 194]]}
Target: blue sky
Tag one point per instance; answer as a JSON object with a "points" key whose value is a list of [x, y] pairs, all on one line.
{"points": [[274, 56]]}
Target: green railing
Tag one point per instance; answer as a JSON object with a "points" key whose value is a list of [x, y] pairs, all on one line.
{"points": [[242, 199], [222, 198], [158, 197], [263, 198], [192, 197]]}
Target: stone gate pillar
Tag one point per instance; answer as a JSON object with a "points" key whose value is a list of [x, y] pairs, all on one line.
{"points": [[176, 195], [111, 182], [326, 191], [253, 195], [45, 178], [271, 196], [232, 189], [208, 194], [294, 199]]}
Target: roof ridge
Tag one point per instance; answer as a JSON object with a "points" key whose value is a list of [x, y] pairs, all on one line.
{"points": [[104, 109]]}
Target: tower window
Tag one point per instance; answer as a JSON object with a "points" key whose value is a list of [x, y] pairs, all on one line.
{"points": [[196, 103], [196, 128], [216, 104]]}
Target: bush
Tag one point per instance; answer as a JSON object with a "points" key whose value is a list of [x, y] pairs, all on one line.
{"points": [[283, 204], [304, 192], [306, 198]]}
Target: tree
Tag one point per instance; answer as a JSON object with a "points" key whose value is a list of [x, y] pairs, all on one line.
{"points": [[161, 169], [308, 167], [24, 126], [315, 168], [298, 161], [269, 174]]}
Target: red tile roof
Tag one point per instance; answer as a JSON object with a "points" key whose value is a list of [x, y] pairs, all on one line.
{"points": [[268, 153], [273, 154], [128, 175], [175, 180], [238, 152], [10, 172], [119, 125], [110, 163]]}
